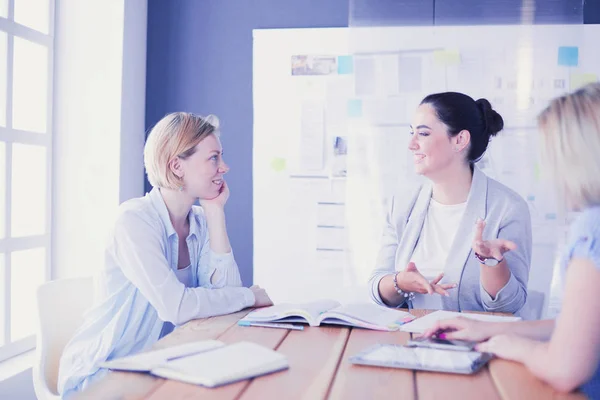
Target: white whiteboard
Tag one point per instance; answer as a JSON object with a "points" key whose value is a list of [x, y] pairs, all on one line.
{"points": [[331, 115]]}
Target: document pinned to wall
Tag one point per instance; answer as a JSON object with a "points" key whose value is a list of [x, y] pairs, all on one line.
{"points": [[409, 73], [312, 136]]}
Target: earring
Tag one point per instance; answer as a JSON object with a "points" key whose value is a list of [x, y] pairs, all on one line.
{"points": [[181, 188]]}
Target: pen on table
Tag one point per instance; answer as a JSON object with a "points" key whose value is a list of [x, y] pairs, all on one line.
{"points": [[271, 325]]}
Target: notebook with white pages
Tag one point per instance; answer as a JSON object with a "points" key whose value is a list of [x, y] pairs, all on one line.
{"points": [[420, 325], [224, 365], [208, 363], [144, 362], [362, 315]]}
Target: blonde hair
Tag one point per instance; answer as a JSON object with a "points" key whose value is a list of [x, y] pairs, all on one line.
{"points": [[570, 143], [175, 135]]}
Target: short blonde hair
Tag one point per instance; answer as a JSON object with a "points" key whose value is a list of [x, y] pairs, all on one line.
{"points": [[570, 143], [176, 135]]}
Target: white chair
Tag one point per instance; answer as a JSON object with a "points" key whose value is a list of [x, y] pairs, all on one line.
{"points": [[533, 309], [61, 304]]}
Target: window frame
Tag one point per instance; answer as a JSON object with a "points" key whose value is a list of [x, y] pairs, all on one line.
{"points": [[10, 136]]}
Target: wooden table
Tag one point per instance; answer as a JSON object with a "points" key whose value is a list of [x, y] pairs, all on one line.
{"points": [[319, 369]]}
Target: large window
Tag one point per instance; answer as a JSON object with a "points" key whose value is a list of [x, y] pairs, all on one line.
{"points": [[26, 55]]}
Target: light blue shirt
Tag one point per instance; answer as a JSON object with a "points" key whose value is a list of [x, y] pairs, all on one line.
{"points": [[584, 242], [137, 291]]}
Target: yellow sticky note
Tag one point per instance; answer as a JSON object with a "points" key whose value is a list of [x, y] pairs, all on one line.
{"points": [[278, 164], [579, 79], [446, 57]]}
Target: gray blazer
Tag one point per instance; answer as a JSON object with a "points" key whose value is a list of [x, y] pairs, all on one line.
{"points": [[506, 215]]}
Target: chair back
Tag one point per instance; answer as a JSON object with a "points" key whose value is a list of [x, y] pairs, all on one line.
{"points": [[61, 305]]}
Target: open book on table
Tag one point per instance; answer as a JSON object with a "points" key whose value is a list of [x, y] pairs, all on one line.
{"points": [[362, 315], [208, 363]]}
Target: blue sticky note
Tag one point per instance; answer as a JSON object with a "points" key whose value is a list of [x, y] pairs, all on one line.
{"points": [[345, 65], [568, 56], [354, 108]]}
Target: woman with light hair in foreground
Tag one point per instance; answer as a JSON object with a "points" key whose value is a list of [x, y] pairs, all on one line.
{"points": [[167, 261], [566, 352]]}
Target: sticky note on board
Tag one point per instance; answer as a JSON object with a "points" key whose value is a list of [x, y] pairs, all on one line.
{"points": [[579, 79], [354, 108], [345, 65], [568, 56], [446, 57], [550, 216], [278, 164]]}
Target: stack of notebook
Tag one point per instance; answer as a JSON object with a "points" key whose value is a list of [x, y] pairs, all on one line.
{"points": [[208, 363]]}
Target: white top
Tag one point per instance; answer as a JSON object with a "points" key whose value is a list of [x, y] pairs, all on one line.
{"points": [[185, 276], [431, 252]]}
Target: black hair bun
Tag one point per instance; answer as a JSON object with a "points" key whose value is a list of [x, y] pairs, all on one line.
{"points": [[493, 121]]}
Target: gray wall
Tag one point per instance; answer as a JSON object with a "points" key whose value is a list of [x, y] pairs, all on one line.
{"points": [[200, 60]]}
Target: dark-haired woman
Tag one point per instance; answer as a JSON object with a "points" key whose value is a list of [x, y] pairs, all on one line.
{"points": [[461, 241]]}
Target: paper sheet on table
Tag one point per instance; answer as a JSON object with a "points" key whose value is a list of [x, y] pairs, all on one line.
{"points": [[420, 325]]}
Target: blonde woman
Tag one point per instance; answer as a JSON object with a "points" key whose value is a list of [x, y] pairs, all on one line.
{"points": [[565, 353], [167, 261]]}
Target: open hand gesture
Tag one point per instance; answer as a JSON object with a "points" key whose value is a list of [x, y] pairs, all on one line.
{"points": [[411, 280], [494, 248]]}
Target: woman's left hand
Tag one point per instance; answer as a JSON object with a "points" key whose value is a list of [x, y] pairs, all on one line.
{"points": [[507, 346], [494, 248], [219, 201]]}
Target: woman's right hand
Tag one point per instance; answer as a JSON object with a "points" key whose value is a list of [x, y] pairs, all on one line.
{"points": [[461, 328], [411, 280], [261, 298]]}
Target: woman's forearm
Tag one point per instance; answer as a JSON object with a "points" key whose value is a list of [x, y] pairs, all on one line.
{"points": [[549, 366], [388, 293], [536, 330], [217, 230], [494, 278]]}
